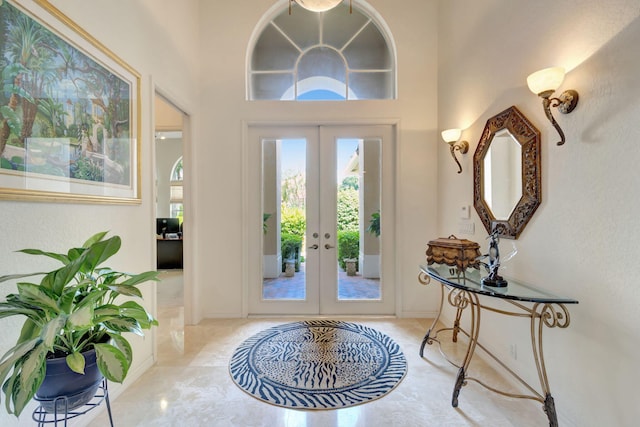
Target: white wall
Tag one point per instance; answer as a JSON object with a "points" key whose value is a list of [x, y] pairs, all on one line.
{"points": [[582, 241], [457, 73], [226, 28], [136, 32]]}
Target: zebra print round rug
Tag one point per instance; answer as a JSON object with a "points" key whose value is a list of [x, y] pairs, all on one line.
{"points": [[318, 364]]}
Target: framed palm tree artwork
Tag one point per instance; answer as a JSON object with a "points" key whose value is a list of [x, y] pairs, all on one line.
{"points": [[69, 111]]}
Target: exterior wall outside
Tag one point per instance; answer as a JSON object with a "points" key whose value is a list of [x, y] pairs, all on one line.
{"points": [[582, 240], [137, 33], [370, 185]]}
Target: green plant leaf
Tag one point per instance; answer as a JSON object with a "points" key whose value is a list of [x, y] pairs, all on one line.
{"points": [[124, 324], [76, 362], [33, 369], [8, 309], [94, 239], [82, 318], [86, 262], [121, 343], [138, 312], [11, 388], [58, 279], [14, 354], [21, 395], [52, 329], [60, 257], [108, 276], [130, 291], [91, 299], [141, 278], [65, 301], [112, 362], [75, 253], [61, 313], [19, 276], [105, 313], [30, 330], [99, 252], [38, 295]]}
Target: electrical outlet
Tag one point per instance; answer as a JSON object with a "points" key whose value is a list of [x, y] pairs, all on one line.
{"points": [[513, 351]]}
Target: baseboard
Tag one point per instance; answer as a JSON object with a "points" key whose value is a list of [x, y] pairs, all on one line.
{"points": [[233, 315], [404, 314], [418, 314], [115, 390]]}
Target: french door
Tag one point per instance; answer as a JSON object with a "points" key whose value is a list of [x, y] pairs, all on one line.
{"points": [[321, 220]]}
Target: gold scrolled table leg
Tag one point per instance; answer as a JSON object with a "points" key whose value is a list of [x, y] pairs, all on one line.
{"points": [[424, 279], [462, 300], [551, 315]]}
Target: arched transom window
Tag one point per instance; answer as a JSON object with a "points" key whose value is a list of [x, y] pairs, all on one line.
{"points": [[331, 55]]}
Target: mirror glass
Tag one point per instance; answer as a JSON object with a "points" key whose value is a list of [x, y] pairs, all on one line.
{"points": [[503, 174], [506, 173]]}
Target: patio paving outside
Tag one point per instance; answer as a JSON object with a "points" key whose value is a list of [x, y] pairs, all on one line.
{"points": [[349, 287]]}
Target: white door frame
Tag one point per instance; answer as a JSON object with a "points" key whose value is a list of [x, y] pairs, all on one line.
{"points": [[252, 208]]}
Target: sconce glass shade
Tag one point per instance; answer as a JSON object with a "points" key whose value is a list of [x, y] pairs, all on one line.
{"points": [[546, 80], [451, 135], [318, 5]]}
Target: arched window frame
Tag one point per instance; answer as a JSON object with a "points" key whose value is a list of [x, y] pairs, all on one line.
{"points": [[176, 190], [300, 87]]}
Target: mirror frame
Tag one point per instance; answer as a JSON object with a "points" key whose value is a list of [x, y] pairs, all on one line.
{"points": [[529, 139]]}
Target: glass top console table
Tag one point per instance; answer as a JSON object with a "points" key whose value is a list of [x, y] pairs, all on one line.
{"points": [[465, 290]]}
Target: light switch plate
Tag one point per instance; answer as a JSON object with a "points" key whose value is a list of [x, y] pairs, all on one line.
{"points": [[465, 212]]}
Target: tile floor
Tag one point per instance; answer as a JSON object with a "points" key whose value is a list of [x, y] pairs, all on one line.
{"points": [[190, 385]]}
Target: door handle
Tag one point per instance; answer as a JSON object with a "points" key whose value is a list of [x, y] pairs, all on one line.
{"points": [[328, 246], [314, 246]]}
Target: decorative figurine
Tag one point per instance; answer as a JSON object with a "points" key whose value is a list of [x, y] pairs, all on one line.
{"points": [[493, 279]]}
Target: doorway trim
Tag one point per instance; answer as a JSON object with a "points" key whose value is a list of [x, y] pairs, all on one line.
{"points": [[188, 269], [250, 226]]}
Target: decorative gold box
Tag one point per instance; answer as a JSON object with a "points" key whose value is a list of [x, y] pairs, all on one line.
{"points": [[461, 253]]}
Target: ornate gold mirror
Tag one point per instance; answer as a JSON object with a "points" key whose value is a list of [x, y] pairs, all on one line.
{"points": [[506, 173]]}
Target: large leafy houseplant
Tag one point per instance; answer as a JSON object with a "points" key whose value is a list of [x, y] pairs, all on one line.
{"points": [[72, 309]]}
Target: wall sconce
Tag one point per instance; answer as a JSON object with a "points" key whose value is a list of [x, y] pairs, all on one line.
{"points": [[544, 83], [451, 137]]}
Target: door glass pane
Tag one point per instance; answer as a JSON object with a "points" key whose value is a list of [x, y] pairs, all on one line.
{"points": [[358, 219], [284, 219]]}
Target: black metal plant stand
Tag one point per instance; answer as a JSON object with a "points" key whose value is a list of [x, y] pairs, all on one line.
{"points": [[42, 417]]}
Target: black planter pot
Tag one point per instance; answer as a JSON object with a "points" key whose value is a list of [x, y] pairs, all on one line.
{"points": [[63, 389]]}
